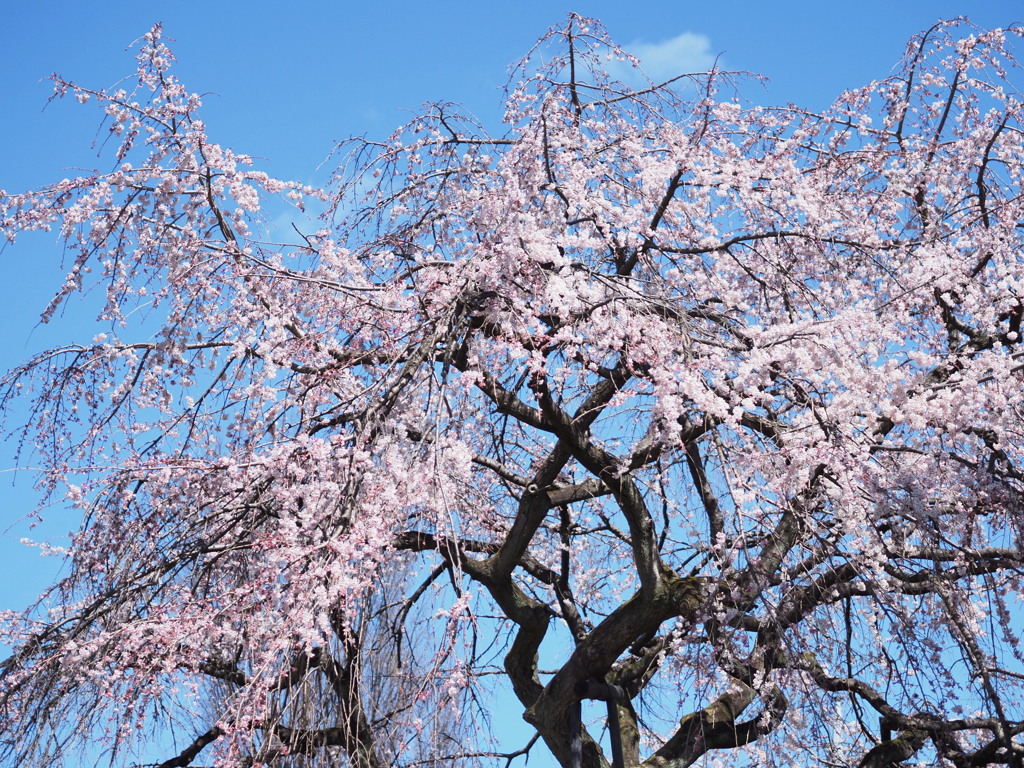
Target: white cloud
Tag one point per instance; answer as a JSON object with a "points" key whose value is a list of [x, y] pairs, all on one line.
{"points": [[685, 53]]}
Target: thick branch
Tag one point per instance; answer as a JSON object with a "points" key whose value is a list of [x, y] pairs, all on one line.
{"points": [[192, 751], [593, 657], [715, 727], [894, 751]]}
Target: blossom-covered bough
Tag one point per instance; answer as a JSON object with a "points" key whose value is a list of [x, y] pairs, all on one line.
{"points": [[718, 404]]}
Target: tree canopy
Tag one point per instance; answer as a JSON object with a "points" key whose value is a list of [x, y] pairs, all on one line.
{"points": [[655, 391]]}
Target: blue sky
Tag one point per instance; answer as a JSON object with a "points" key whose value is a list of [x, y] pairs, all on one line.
{"points": [[287, 81]]}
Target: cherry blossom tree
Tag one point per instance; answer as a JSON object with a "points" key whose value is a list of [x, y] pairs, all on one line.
{"points": [[711, 410]]}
